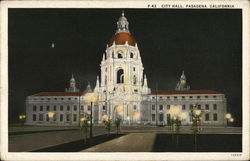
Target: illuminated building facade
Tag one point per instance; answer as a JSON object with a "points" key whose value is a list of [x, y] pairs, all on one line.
{"points": [[123, 93]]}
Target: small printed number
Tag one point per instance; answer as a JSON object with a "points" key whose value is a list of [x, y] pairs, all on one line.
{"points": [[235, 155], [151, 5]]}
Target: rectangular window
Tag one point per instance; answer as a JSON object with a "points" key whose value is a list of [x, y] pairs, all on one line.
{"points": [[168, 97], [183, 97], [75, 107], [215, 117], [206, 96], [75, 98], [207, 106], [34, 117], [69, 98], [68, 117], [175, 97], [214, 96], [190, 96], [47, 109], [183, 107], [215, 106], [61, 108], [168, 107], [134, 107], [68, 108], [34, 108], [89, 108], [190, 107], [153, 117], [55, 98], [153, 107], [81, 107], [160, 97], [168, 116], [54, 117], [41, 108], [161, 117], [62, 99], [74, 117], [198, 96], [199, 107], [47, 117], [153, 97], [48, 98], [103, 108], [54, 108], [61, 117], [207, 117], [40, 117], [161, 107]]}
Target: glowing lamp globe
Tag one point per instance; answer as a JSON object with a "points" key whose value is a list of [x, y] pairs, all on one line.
{"points": [[91, 97], [105, 118], [51, 114], [197, 112], [182, 116], [174, 110], [228, 116]]}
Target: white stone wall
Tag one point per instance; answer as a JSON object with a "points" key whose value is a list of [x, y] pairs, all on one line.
{"points": [[69, 104], [127, 94], [167, 101]]}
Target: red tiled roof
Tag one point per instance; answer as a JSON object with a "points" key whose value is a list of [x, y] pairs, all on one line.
{"points": [[184, 92], [120, 38], [60, 94]]}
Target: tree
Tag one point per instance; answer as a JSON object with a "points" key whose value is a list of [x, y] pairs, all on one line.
{"points": [[84, 128], [196, 122], [118, 125], [107, 123]]}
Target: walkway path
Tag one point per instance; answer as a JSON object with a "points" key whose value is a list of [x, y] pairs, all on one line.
{"points": [[139, 142], [35, 141]]}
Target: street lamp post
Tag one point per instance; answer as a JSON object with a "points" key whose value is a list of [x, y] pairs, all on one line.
{"points": [[91, 98], [228, 117], [173, 113], [91, 120], [196, 114], [79, 112], [176, 118]]}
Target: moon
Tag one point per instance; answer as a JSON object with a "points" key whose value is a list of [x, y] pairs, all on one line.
{"points": [[53, 45]]}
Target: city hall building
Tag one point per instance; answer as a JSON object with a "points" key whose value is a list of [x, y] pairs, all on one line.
{"points": [[123, 93]]}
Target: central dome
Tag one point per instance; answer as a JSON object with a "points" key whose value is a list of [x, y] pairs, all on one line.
{"points": [[120, 38]]}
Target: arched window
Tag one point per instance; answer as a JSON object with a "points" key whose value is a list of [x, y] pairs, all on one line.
{"points": [[131, 55], [119, 56], [134, 80], [120, 76]]}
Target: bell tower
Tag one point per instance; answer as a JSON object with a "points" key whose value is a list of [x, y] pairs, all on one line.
{"points": [[182, 84], [72, 85], [122, 82]]}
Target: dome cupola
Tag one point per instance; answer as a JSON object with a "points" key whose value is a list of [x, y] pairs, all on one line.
{"points": [[122, 34], [122, 24]]}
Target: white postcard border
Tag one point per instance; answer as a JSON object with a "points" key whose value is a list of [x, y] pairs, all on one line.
{"points": [[5, 155]]}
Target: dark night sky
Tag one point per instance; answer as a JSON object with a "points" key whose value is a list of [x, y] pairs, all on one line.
{"points": [[207, 44]]}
